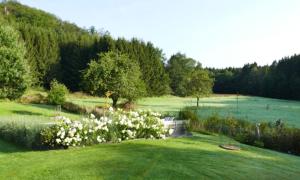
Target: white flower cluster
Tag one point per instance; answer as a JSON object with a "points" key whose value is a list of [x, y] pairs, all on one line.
{"points": [[119, 125], [143, 124], [87, 131]]}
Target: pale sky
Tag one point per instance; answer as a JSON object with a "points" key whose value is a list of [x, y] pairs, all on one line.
{"points": [[218, 33]]}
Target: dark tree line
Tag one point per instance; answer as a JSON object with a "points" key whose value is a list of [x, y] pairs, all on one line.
{"points": [[279, 80], [61, 50]]}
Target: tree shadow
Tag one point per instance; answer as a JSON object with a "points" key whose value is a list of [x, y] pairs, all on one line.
{"points": [[50, 108], [188, 160], [6, 147], [26, 112], [180, 158]]}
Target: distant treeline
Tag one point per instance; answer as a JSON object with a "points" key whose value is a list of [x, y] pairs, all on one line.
{"points": [[57, 49], [279, 80]]}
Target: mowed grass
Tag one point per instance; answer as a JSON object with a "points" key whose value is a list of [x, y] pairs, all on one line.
{"points": [[256, 109], [250, 108], [198, 157], [14, 111]]}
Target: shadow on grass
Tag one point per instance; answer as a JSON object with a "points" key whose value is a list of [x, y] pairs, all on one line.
{"points": [[50, 108], [26, 113], [43, 106], [92, 101], [188, 160], [180, 158], [6, 147]]}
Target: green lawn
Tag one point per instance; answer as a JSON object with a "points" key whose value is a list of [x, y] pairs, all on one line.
{"points": [[162, 104], [246, 107], [198, 157], [255, 109], [10, 110]]}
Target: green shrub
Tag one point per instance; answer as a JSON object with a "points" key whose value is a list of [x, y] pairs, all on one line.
{"points": [[48, 137], [37, 98], [75, 108], [22, 134], [258, 143], [188, 114], [117, 126], [57, 93], [273, 136]]}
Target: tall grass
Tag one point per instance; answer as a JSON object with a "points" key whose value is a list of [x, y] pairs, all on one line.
{"points": [[23, 130]]}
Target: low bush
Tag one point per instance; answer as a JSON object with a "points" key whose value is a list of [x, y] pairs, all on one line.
{"points": [[22, 134], [273, 136], [127, 105], [57, 93], [117, 126], [75, 108], [37, 98]]}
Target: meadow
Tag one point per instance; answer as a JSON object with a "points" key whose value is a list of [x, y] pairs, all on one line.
{"points": [[252, 108], [30, 113]]}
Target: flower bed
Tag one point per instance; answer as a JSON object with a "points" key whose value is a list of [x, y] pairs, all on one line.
{"points": [[116, 126]]}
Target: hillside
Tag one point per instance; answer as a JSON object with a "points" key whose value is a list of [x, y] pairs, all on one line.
{"points": [[43, 35], [61, 50]]}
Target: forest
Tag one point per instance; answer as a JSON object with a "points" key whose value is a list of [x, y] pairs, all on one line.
{"points": [[56, 49], [279, 80]]}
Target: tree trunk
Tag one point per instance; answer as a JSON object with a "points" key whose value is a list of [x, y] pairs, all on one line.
{"points": [[197, 101], [115, 100]]}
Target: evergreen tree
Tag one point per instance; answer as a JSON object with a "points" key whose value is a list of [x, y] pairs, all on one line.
{"points": [[13, 70]]}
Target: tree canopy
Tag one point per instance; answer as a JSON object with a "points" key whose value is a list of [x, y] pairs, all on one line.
{"points": [[13, 69], [279, 80], [117, 73], [61, 50], [199, 84], [56, 49], [179, 68]]}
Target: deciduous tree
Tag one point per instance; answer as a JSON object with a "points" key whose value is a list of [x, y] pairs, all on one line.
{"points": [[199, 84], [114, 72]]}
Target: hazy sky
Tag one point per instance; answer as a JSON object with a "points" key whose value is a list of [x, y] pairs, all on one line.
{"points": [[218, 33]]}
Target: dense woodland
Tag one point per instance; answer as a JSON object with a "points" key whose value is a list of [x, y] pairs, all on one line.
{"points": [[57, 49], [280, 80], [61, 50]]}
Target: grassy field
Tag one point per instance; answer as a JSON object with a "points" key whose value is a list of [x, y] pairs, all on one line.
{"points": [[10, 110], [198, 157], [255, 109]]}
